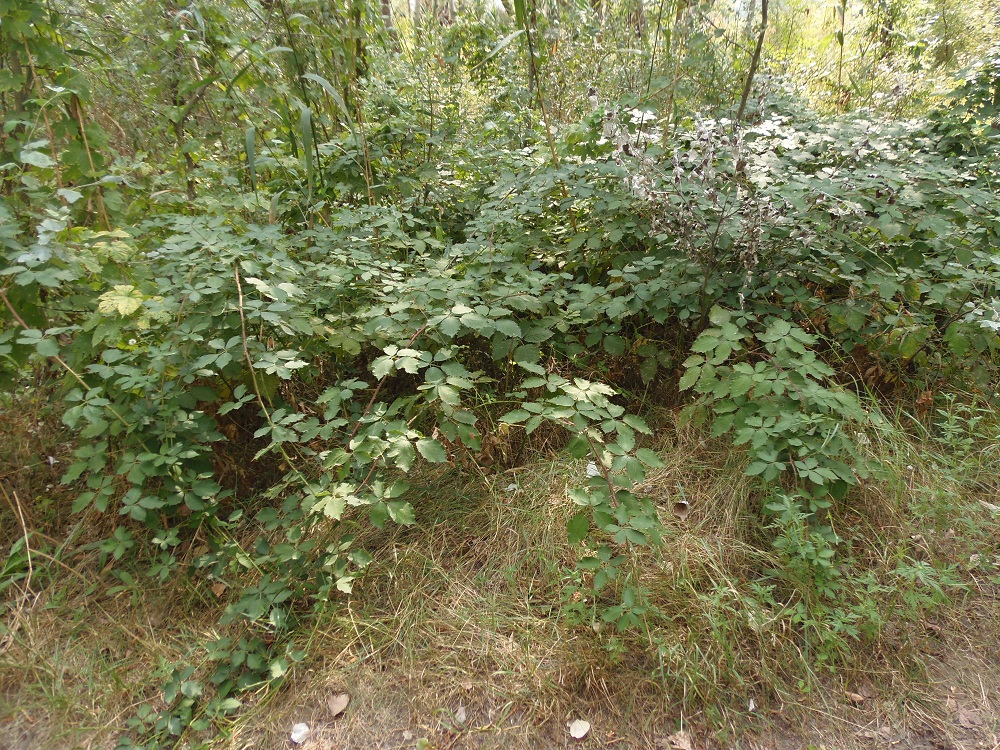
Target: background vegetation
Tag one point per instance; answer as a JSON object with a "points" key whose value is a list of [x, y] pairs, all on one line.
{"points": [[634, 362]]}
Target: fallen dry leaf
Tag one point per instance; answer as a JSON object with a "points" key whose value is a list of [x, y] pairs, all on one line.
{"points": [[682, 509], [337, 703], [969, 719], [679, 741], [218, 589], [676, 741], [579, 729], [883, 733]]}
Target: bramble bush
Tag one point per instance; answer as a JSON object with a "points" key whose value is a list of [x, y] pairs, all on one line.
{"points": [[317, 314]]}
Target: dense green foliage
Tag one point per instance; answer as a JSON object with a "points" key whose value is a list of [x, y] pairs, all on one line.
{"points": [[321, 252]]}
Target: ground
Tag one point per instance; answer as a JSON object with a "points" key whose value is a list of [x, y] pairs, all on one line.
{"points": [[459, 637]]}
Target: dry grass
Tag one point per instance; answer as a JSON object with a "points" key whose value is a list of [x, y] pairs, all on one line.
{"points": [[465, 614]]}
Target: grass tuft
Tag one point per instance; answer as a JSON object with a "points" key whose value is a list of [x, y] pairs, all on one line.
{"points": [[470, 613]]}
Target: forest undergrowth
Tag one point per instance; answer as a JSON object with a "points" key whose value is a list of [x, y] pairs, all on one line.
{"points": [[470, 631], [375, 383]]}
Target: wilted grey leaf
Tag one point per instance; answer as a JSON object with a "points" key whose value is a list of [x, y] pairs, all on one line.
{"points": [[337, 703]]}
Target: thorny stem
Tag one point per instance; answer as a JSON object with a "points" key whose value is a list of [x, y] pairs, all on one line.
{"points": [[45, 116], [371, 401], [253, 377], [604, 469]]}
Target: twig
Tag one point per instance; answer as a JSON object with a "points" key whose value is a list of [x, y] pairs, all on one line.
{"points": [[45, 116], [81, 121], [26, 588], [604, 470]]}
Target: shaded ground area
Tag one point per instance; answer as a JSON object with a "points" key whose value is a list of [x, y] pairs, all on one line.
{"points": [[953, 706], [462, 635], [470, 687]]}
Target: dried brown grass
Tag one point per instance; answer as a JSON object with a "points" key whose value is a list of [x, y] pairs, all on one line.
{"points": [[465, 614]]}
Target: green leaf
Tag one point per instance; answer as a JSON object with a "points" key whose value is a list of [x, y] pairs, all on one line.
{"points": [[498, 48], [335, 95], [614, 345], [278, 668], [537, 335], [192, 689], [305, 133], [718, 316], [508, 328], [520, 15], [402, 450], [396, 489], [47, 347], [578, 527], [250, 138], [477, 322], [648, 369], [740, 385], [124, 299], [578, 446], [706, 342], [690, 378], [650, 458], [432, 450], [838, 489], [855, 319], [37, 159], [81, 501], [515, 417], [71, 196], [723, 424], [636, 537], [913, 342], [450, 326], [382, 366], [637, 424], [378, 514], [332, 505], [401, 512]]}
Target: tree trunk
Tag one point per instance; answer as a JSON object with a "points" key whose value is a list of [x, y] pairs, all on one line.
{"points": [[640, 19], [754, 61], [387, 22]]}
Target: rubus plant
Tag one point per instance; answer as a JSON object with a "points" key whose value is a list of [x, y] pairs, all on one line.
{"points": [[260, 351], [771, 389]]}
